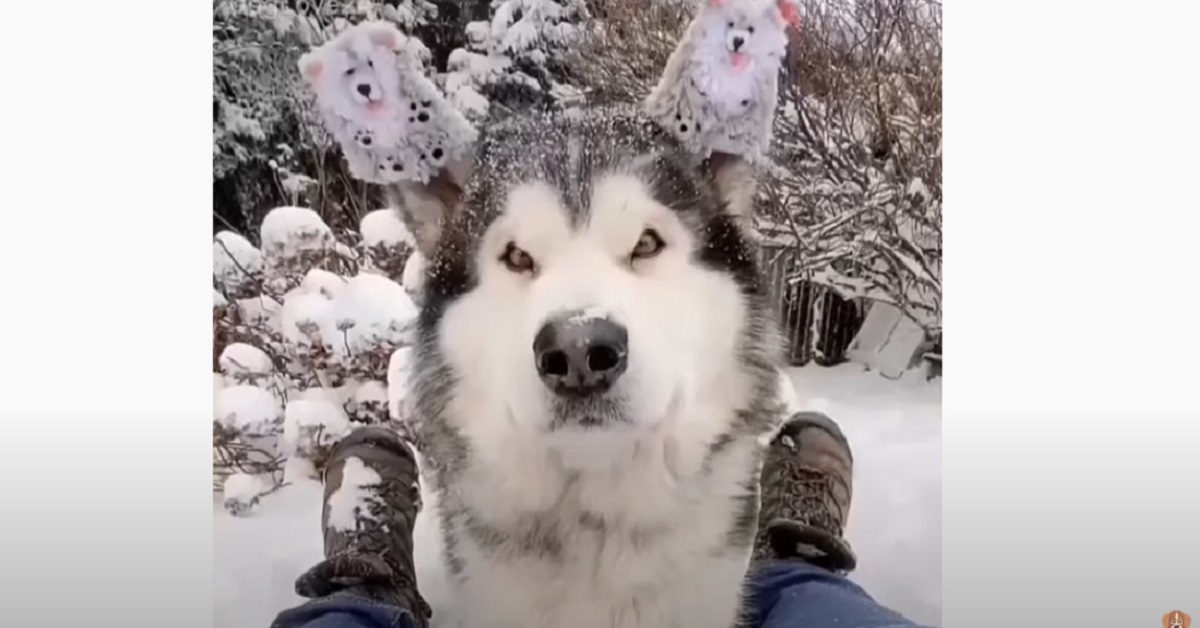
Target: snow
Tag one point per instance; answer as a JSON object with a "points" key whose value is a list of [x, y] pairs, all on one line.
{"points": [[241, 493], [894, 428], [315, 419], [288, 231], [240, 362], [235, 260], [384, 227], [351, 316], [247, 409], [349, 502]]}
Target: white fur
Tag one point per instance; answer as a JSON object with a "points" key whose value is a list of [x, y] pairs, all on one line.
{"points": [[381, 129], [683, 384], [734, 105]]}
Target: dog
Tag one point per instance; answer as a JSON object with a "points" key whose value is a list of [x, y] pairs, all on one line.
{"points": [[1177, 619], [392, 122], [595, 375], [720, 86]]}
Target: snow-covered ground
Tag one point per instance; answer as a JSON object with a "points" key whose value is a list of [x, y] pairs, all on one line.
{"points": [[895, 522]]}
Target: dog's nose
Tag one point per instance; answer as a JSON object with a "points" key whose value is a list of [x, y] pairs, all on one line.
{"points": [[579, 355], [737, 43], [364, 89]]}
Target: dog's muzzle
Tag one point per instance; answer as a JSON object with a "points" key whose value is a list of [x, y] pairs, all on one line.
{"points": [[578, 355]]}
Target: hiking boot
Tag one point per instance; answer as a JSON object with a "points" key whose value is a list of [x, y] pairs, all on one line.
{"points": [[806, 488], [372, 497]]}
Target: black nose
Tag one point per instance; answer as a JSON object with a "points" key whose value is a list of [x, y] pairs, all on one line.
{"points": [[737, 43], [364, 89], [577, 355]]}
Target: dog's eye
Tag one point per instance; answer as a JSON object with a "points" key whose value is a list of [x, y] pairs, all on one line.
{"points": [[516, 260], [648, 245], [731, 25], [750, 30], [350, 71], [371, 64]]}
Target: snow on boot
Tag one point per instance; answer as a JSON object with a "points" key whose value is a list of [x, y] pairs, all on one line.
{"points": [[372, 497], [806, 490]]}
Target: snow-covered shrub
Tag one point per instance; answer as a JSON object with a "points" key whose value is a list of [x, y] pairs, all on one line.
{"points": [[237, 265], [387, 243], [517, 57], [240, 493], [241, 363], [856, 186], [307, 357], [312, 425]]}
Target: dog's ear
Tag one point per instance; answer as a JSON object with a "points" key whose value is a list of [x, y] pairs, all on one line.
{"points": [[311, 66], [733, 179], [426, 207]]}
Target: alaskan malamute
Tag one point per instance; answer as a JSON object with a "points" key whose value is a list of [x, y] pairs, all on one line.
{"points": [[595, 375]]}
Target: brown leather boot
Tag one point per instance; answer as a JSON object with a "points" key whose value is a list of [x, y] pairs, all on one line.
{"points": [[806, 489], [372, 497]]}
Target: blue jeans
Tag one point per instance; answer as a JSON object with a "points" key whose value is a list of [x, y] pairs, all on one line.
{"points": [[783, 595]]}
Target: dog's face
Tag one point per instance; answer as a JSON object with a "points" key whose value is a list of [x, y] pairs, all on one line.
{"points": [[588, 286], [755, 28], [1177, 619], [352, 74]]}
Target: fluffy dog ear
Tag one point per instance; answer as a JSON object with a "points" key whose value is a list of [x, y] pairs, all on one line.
{"points": [[311, 66], [734, 181], [425, 207]]}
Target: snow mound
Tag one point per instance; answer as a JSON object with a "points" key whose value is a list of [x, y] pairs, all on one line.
{"points": [[350, 317], [313, 423], [236, 262], [241, 493], [384, 227], [380, 309], [290, 231], [247, 410], [260, 311], [242, 363]]}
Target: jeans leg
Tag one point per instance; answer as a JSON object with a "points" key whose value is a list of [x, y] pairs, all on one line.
{"points": [[794, 594], [344, 611]]}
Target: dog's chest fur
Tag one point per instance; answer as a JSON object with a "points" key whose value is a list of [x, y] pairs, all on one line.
{"points": [[628, 550]]}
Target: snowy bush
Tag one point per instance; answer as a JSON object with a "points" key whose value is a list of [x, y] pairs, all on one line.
{"points": [[303, 360], [854, 181], [517, 57], [857, 187], [241, 492]]}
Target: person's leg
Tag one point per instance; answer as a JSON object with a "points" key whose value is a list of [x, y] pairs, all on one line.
{"points": [[800, 556], [367, 579]]}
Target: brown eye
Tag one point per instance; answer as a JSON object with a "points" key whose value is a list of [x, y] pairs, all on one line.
{"points": [[648, 245], [516, 260], [750, 30]]}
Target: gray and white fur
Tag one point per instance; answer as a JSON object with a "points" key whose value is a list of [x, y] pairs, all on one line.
{"points": [[720, 87], [392, 122], [572, 492]]}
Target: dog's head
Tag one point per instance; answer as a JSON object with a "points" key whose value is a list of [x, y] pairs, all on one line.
{"points": [[589, 288], [350, 76], [754, 28], [1177, 619]]}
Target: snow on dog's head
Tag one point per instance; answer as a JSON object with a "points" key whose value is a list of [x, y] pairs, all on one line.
{"points": [[590, 294], [746, 29], [349, 73]]}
